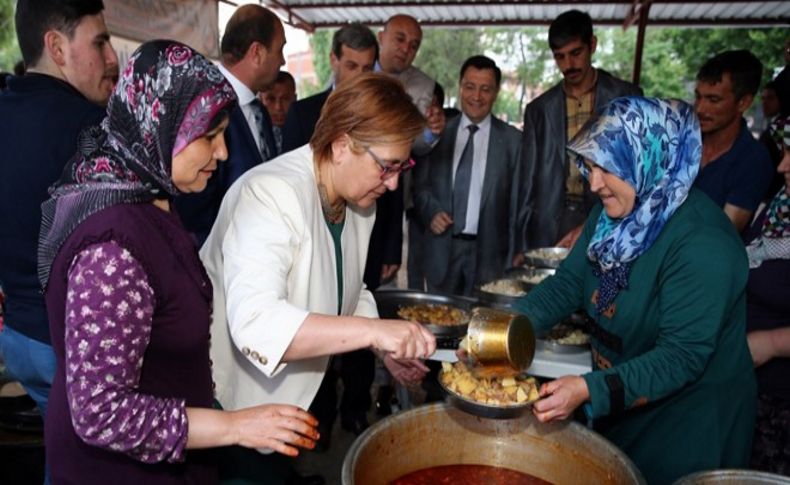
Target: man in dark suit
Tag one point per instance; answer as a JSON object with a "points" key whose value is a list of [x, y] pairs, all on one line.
{"points": [[353, 52], [558, 198], [277, 100], [468, 191], [252, 53]]}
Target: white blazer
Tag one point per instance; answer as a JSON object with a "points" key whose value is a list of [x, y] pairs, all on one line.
{"points": [[271, 259]]}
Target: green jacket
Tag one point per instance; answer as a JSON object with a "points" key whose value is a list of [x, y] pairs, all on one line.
{"points": [[673, 383]]}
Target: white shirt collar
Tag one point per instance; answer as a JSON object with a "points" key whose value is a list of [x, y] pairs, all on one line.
{"points": [[483, 125], [245, 94]]}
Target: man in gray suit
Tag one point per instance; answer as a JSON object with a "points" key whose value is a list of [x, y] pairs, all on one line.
{"points": [[557, 197], [468, 190]]}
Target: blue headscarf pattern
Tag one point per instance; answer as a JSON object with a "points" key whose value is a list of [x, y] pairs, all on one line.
{"points": [[655, 146]]}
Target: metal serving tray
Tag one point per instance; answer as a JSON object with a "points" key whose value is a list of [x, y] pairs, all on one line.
{"points": [[498, 299], [537, 257], [390, 301], [522, 272]]}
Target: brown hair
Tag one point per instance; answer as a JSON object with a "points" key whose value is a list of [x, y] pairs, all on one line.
{"points": [[372, 109], [249, 23]]}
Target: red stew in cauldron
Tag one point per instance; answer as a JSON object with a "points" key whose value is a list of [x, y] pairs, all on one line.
{"points": [[468, 475]]}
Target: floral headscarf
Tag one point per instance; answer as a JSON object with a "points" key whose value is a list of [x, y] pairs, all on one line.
{"points": [[774, 240], [655, 146], [168, 96]]}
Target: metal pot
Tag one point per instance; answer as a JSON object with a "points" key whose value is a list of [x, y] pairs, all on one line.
{"points": [[437, 434], [499, 343], [733, 477]]}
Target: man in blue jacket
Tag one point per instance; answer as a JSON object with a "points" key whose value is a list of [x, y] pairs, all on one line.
{"points": [[353, 52], [735, 170], [71, 71]]}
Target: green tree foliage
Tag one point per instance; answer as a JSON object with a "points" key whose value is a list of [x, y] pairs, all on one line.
{"points": [[694, 46], [672, 56], [670, 60], [321, 44], [9, 49], [664, 74], [524, 49], [442, 53]]}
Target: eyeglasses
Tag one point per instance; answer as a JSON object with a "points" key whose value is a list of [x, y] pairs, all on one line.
{"points": [[389, 169]]}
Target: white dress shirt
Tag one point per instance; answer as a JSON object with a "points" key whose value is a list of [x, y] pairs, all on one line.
{"points": [[478, 167], [246, 97]]}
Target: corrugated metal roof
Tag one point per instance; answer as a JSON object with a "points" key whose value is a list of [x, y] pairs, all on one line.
{"points": [[328, 13]]}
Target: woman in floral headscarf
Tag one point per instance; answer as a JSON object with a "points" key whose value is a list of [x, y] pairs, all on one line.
{"points": [[662, 272], [129, 302], [768, 318]]}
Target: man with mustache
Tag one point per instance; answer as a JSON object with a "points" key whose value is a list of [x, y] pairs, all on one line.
{"points": [[736, 169], [557, 199], [71, 71]]}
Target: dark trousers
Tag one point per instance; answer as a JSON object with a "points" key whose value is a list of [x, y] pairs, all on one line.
{"points": [[415, 273], [356, 370], [460, 276]]}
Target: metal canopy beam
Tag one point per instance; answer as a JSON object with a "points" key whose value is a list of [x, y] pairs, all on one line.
{"points": [[310, 15], [700, 13], [496, 3], [607, 22]]}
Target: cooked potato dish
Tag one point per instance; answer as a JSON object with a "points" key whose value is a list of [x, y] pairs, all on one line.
{"points": [[434, 314], [496, 391]]}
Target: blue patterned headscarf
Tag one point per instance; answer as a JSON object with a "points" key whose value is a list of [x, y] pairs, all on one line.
{"points": [[655, 146], [167, 96]]}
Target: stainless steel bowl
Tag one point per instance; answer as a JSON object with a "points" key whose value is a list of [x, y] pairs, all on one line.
{"points": [[538, 257], [390, 301], [524, 273], [499, 300], [552, 346], [733, 477], [576, 321], [484, 410]]}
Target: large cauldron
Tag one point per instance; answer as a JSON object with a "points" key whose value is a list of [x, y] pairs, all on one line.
{"points": [[437, 434]]}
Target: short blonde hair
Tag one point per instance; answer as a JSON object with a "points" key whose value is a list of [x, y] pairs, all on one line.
{"points": [[371, 109]]}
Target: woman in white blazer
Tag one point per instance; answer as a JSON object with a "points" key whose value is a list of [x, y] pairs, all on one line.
{"points": [[281, 306]]}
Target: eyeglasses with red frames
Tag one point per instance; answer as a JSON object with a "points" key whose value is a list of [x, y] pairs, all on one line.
{"points": [[392, 168]]}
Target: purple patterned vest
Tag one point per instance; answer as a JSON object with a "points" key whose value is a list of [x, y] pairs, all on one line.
{"points": [[176, 362]]}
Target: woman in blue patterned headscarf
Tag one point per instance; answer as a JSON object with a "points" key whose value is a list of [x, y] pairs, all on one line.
{"points": [[661, 270], [654, 146]]}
